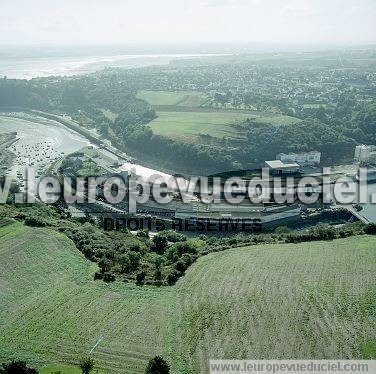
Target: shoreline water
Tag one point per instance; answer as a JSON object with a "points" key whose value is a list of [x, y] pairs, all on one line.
{"points": [[29, 68]]}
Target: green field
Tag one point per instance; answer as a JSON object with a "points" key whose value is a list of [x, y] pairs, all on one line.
{"points": [[315, 106], [66, 369], [190, 124], [310, 300], [173, 98], [180, 116]]}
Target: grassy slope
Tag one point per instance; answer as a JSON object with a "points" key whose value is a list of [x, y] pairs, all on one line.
{"points": [[313, 300], [178, 98], [189, 124], [308, 300], [53, 309]]}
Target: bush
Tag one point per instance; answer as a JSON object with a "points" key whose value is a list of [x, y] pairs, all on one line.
{"points": [[176, 250], [370, 229], [181, 266], [172, 277], [282, 230], [323, 232], [36, 221], [17, 367], [157, 365], [174, 236], [86, 365], [293, 237], [98, 275], [105, 264], [185, 261], [140, 277], [108, 277], [143, 233], [160, 243]]}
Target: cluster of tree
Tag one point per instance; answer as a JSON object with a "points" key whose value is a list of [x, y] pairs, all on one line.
{"points": [[284, 234], [264, 142], [83, 97], [17, 367], [194, 157], [325, 232], [351, 120], [137, 258]]}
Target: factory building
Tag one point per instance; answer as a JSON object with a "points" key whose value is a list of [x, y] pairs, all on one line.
{"points": [[307, 158]]}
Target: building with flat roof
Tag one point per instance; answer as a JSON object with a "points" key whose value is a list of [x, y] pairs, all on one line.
{"points": [[280, 167], [365, 154], [306, 158]]}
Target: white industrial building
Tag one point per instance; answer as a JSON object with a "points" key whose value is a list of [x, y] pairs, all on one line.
{"points": [[365, 154], [307, 158], [280, 167]]}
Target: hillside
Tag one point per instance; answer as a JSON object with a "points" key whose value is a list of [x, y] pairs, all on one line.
{"points": [[229, 305], [312, 300], [53, 311]]}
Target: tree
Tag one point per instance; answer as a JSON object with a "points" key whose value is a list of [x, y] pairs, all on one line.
{"points": [[86, 365], [134, 260], [282, 230], [370, 229], [105, 264], [160, 243], [17, 367], [157, 365], [140, 277], [144, 233]]}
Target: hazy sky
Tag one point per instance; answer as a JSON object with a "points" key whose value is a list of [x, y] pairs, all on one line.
{"points": [[171, 21]]}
